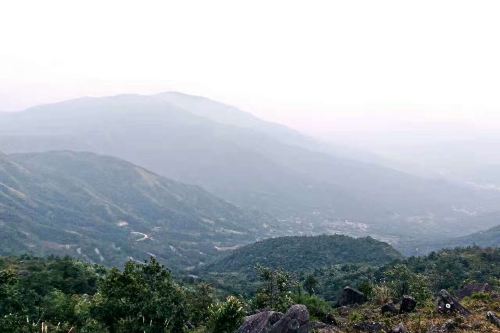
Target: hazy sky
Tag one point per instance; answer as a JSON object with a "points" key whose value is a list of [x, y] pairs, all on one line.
{"points": [[316, 65]]}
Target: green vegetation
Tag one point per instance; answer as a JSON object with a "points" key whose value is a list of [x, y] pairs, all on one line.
{"points": [[60, 293], [63, 293], [105, 210], [301, 256], [446, 269], [275, 291], [226, 317]]}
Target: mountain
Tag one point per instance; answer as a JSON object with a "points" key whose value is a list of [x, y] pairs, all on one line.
{"points": [[251, 163], [298, 255], [485, 238], [106, 210], [303, 253]]}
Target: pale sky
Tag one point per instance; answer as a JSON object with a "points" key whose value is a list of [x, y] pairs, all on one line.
{"points": [[318, 66]]}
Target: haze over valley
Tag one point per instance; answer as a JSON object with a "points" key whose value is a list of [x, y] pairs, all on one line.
{"points": [[249, 166], [303, 185]]}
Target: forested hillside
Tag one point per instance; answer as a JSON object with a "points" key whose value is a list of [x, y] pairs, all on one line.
{"points": [[106, 210], [296, 254], [65, 295]]}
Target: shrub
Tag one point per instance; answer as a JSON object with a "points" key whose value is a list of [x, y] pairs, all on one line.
{"points": [[402, 281], [318, 307], [382, 294], [275, 292], [227, 316]]}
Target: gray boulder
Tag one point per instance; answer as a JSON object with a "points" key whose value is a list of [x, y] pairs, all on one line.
{"points": [[296, 320], [474, 288], [330, 319], [389, 308], [351, 296], [408, 304], [492, 318], [448, 304], [260, 322]]}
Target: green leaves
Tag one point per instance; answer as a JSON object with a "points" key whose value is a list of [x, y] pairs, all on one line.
{"points": [[227, 316], [402, 281], [275, 291], [142, 298]]}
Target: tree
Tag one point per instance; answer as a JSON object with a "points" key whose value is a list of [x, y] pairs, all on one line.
{"points": [[402, 281], [200, 298], [310, 284], [227, 316], [275, 292], [141, 298]]}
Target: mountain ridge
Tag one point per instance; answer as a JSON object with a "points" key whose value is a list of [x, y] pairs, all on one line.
{"points": [[311, 191], [96, 207]]}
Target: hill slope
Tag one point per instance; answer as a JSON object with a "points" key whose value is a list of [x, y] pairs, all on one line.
{"points": [[485, 238], [106, 210], [246, 161], [305, 254]]}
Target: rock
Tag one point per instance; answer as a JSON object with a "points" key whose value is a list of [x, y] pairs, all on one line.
{"points": [[351, 296], [455, 324], [329, 319], [260, 322], [296, 320], [399, 329], [408, 304], [448, 304], [369, 327], [343, 311], [492, 318], [474, 288], [389, 308]]}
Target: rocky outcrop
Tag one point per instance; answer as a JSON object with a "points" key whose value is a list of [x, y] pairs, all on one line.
{"points": [[260, 322], [492, 318], [295, 320], [447, 304], [408, 304], [389, 308], [330, 319], [474, 288], [351, 296]]}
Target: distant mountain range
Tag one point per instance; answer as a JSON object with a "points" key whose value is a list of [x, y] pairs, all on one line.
{"points": [[485, 238], [107, 211], [256, 165]]}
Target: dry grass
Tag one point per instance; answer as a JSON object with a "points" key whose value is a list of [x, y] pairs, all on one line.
{"points": [[427, 317]]}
